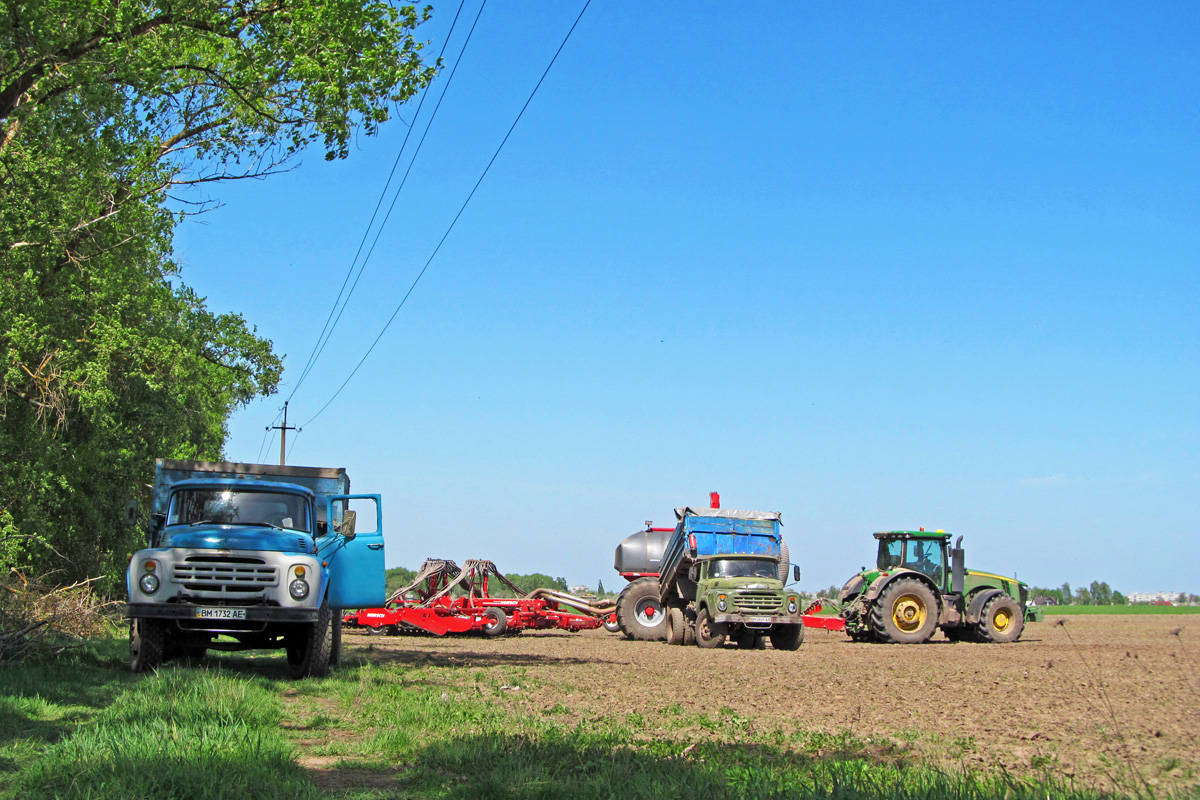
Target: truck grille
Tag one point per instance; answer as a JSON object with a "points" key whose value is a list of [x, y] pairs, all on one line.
{"points": [[757, 600], [225, 576]]}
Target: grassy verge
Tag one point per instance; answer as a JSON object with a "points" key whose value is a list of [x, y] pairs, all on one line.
{"points": [[84, 728], [1077, 610]]}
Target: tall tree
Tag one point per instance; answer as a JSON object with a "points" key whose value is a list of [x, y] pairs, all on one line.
{"points": [[109, 112]]}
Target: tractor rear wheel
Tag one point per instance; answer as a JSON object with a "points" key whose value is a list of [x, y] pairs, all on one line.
{"points": [[1001, 621], [497, 622], [676, 625], [147, 643], [708, 633], [905, 613], [639, 613], [787, 637]]}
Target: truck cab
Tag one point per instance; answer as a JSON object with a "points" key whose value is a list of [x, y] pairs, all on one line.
{"points": [[247, 556]]}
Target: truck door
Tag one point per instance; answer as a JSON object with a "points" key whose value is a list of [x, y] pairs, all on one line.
{"points": [[353, 549]]}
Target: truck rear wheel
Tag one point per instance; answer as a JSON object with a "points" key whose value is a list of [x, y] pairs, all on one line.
{"points": [[676, 625], [310, 645], [905, 613], [787, 637], [497, 622], [1001, 620], [147, 643], [639, 613], [335, 650], [708, 633]]}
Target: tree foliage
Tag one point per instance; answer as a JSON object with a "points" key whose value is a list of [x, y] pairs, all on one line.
{"points": [[109, 113]]}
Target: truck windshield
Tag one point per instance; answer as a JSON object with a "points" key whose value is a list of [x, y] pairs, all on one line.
{"points": [[231, 507], [742, 568]]}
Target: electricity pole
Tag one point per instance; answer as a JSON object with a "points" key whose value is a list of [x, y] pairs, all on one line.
{"points": [[283, 429]]}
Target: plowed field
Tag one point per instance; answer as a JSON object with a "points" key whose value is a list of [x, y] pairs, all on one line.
{"points": [[1107, 700]]}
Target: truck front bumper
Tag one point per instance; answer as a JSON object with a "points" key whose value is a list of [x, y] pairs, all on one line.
{"points": [[192, 611], [760, 620]]}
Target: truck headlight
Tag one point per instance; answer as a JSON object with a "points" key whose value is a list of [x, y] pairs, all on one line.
{"points": [[721, 604], [298, 589], [793, 604], [148, 583]]}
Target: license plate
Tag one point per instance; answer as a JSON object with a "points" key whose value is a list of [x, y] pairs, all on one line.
{"points": [[220, 613], [758, 620]]}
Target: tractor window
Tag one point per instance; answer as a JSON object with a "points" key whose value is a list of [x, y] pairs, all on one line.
{"points": [[891, 553], [926, 557]]}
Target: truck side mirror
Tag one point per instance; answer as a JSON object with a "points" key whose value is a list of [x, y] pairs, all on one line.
{"points": [[795, 572], [131, 512], [346, 526]]}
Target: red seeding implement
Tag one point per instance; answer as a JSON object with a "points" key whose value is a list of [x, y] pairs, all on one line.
{"points": [[444, 599]]}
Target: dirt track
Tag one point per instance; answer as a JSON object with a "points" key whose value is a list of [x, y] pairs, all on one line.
{"points": [[1087, 699]]}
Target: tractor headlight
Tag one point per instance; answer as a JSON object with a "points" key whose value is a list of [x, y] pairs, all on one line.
{"points": [[793, 605], [721, 604], [148, 583], [298, 589]]}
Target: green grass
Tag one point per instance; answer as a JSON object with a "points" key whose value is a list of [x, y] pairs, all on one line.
{"points": [[1077, 610], [83, 727]]}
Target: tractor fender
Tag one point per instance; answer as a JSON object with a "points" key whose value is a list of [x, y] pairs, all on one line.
{"points": [[978, 601], [882, 582], [852, 587]]}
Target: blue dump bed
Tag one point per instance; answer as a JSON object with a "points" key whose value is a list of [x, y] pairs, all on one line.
{"points": [[718, 532]]}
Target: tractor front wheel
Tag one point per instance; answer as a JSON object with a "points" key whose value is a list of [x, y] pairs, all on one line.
{"points": [[1001, 622], [639, 613], [905, 613], [708, 633]]}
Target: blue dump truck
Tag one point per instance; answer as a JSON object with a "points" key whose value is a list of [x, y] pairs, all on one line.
{"points": [[253, 556], [722, 576]]}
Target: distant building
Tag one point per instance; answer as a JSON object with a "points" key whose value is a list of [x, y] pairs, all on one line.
{"points": [[1157, 598]]}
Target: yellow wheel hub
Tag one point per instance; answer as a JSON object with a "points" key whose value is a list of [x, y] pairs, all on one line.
{"points": [[1002, 620], [908, 613]]}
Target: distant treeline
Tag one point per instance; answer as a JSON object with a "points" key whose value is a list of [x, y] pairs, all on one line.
{"points": [[1097, 594]]}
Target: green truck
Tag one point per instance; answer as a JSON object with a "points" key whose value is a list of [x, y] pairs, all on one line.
{"points": [[920, 583], [723, 576]]}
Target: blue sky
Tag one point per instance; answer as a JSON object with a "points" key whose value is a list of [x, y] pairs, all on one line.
{"points": [[871, 266]]}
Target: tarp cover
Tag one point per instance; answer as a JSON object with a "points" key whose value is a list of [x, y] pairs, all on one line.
{"points": [[728, 513]]}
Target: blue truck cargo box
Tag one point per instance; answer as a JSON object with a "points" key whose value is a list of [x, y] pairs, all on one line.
{"points": [[718, 532]]}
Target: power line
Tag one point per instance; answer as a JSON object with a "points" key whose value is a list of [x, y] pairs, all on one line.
{"points": [[319, 345], [455, 220], [396, 196], [263, 447]]}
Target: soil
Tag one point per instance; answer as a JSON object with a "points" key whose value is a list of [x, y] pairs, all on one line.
{"points": [[1107, 701]]}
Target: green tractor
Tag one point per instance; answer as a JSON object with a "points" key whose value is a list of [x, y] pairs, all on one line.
{"points": [[919, 584]]}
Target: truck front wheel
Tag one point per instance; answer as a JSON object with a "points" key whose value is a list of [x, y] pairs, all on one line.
{"points": [[787, 637], [708, 633], [310, 646], [639, 613], [147, 642], [905, 613]]}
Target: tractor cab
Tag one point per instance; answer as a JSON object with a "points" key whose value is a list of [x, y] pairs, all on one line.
{"points": [[922, 551]]}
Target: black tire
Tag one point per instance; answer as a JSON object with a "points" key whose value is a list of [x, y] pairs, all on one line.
{"points": [[640, 615], [905, 613], [309, 646], [709, 634], [335, 651], [860, 636], [377, 630], [749, 639], [784, 566], [786, 637], [1001, 621], [611, 625], [497, 624], [676, 626], [147, 644]]}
